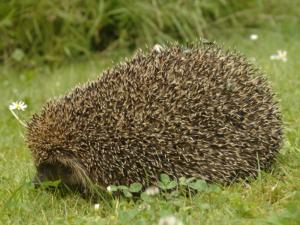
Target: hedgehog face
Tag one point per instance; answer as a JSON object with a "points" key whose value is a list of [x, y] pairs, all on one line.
{"points": [[55, 171], [71, 175]]}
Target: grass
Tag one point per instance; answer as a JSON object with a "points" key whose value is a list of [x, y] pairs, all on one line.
{"points": [[273, 198], [51, 31]]}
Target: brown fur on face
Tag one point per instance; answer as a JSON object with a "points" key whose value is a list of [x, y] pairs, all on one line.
{"points": [[68, 172]]}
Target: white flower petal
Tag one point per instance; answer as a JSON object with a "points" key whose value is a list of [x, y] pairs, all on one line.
{"points": [[152, 190], [273, 57], [96, 206], [18, 106], [253, 37], [281, 55], [169, 220], [23, 106], [12, 106], [282, 52]]}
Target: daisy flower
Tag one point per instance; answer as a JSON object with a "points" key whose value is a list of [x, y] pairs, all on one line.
{"points": [[169, 220], [281, 55], [109, 189], [96, 206], [21, 106], [152, 191], [253, 37]]}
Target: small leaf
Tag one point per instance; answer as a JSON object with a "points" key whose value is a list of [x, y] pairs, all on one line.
{"points": [[127, 193], [135, 187], [184, 182], [162, 185], [18, 54], [190, 180], [122, 187], [127, 215], [214, 188], [112, 188], [164, 178], [171, 185], [175, 194], [199, 185], [205, 206], [51, 184], [145, 197]]}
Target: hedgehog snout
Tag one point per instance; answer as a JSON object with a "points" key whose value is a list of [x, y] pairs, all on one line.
{"points": [[51, 172], [68, 173]]}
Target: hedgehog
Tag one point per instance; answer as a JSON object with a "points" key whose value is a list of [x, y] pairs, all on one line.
{"points": [[185, 111]]}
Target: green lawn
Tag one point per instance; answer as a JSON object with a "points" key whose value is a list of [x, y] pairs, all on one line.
{"points": [[274, 198]]}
